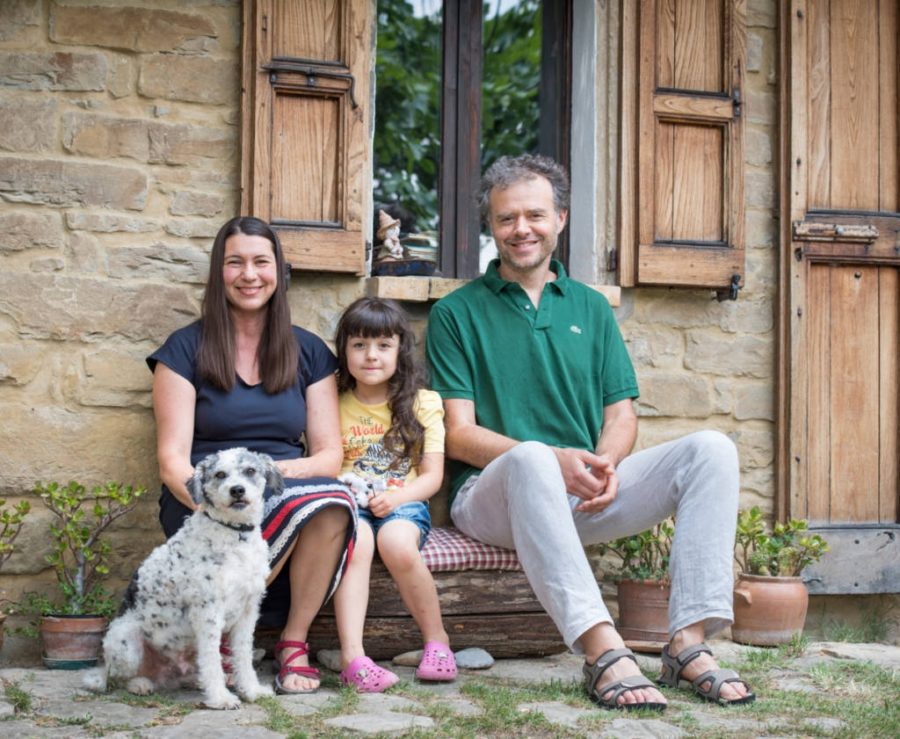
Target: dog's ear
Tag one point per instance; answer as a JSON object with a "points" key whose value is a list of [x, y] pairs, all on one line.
{"points": [[274, 480], [195, 483]]}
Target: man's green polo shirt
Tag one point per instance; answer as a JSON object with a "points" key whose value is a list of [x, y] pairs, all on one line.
{"points": [[540, 374]]}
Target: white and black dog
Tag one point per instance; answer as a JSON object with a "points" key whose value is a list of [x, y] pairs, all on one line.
{"points": [[204, 583]]}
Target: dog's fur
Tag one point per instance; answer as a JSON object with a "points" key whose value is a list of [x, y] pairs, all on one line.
{"points": [[205, 582]]}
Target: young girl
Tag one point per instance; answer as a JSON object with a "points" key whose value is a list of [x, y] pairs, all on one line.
{"points": [[393, 437]]}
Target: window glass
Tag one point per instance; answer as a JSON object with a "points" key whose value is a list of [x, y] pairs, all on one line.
{"points": [[408, 102]]}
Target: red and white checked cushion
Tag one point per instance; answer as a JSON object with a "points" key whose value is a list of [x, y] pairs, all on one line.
{"points": [[449, 549]]}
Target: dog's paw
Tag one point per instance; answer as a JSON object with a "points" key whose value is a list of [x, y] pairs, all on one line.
{"points": [[224, 701], [95, 680], [253, 693], [140, 686]]}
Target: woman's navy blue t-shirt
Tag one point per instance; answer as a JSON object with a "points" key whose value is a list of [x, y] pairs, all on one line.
{"points": [[247, 415]]}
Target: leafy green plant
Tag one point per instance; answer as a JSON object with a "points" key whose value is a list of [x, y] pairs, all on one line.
{"points": [[80, 555], [644, 556], [11, 519], [784, 550]]}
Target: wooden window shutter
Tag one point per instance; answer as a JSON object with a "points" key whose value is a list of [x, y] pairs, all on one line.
{"points": [[682, 218], [305, 123]]}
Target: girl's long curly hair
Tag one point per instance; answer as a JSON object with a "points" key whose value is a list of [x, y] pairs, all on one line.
{"points": [[372, 318]]}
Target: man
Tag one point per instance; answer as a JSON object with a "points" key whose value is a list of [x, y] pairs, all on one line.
{"points": [[538, 389]]}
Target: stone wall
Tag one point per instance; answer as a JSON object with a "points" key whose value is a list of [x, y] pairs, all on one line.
{"points": [[119, 160]]}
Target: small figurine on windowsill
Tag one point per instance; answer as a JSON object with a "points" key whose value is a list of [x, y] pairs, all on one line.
{"points": [[389, 235]]}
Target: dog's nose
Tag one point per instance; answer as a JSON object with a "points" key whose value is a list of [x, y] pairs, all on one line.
{"points": [[237, 492]]}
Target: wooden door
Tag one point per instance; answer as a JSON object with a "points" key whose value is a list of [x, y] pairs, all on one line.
{"points": [[840, 297]]}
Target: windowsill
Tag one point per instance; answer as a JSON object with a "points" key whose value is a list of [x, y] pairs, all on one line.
{"points": [[425, 289]]}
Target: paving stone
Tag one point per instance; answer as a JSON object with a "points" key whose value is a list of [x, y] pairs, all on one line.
{"points": [[461, 706], [104, 712], [380, 723], [556, 712], [6, 710], [473, 658], [246, 723], [830, 725], [306, 704], [884, 655], [623, 728], [385, 702]]}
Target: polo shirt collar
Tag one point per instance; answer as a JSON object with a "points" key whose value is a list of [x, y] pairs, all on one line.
{"points": [[496, 283]]}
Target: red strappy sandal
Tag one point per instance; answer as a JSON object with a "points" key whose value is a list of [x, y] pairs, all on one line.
{"points": [[301, 649]]}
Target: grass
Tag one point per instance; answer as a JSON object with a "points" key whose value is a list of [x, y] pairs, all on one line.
{"points": [[18, 698]]}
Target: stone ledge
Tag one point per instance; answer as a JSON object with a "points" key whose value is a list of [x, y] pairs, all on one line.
{"points": [[425, 289]]}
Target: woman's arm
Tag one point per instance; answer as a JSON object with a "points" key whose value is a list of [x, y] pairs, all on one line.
{"points": [[323, 434], [174, 400]]}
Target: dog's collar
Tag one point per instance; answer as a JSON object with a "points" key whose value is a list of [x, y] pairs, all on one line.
{"points": [[242, 527]]}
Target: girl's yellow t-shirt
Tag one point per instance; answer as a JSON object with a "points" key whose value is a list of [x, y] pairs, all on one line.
{"points": [[363, 428]]}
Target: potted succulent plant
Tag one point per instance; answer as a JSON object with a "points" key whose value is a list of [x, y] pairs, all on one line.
{"points": [[770, 598], [642, 584], [11, 519], [71, 628]]}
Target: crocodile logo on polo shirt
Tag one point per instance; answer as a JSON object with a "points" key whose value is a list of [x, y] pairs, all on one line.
{"points": [[575, 329]]}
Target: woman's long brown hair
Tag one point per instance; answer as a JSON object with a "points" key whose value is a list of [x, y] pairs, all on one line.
{"points": [[278, 356]]}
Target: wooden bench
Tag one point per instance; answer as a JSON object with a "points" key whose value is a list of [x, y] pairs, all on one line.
{"points": [[485, 602]]}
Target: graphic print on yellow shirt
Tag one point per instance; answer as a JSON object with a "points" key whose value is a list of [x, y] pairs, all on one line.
{"points": [[362, 433]]}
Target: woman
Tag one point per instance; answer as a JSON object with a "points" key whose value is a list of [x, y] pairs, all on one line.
{"points": [[243, 376]]}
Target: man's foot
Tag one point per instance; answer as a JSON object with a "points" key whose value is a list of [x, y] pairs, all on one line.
{"points": [[683, 662], [614, 680]]}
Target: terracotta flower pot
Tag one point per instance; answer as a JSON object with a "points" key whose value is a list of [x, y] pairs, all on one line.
{"points": [[644, 614], [768, 610], [71, 642]]}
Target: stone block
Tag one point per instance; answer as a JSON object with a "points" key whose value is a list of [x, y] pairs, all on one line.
{"points": [[106, 137], [159, 262], [17, 15], [754, 52], [83, 253], [20, 230], [193, 228], [654, 347], [760, 190], [187, 203], [90, 445], [115, 379], [213, 81], [65, 71], [757, 447], [27, 124], [191, 145], [130, 29], [761, 228], [122, 78], [758, 146], [754, 401], [74, 308], [67, 183], [728, 354], [79, 220], [46, 264], [19, 363], [678, 394]]}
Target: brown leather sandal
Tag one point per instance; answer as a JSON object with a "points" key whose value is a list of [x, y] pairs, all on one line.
{"points": [[593, 672], [672, 667]]}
